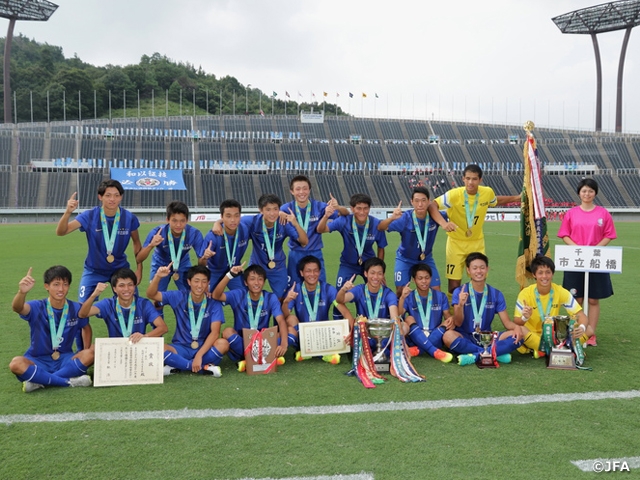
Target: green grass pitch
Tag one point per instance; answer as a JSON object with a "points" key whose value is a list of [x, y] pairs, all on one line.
{"points": [[493, 442]]}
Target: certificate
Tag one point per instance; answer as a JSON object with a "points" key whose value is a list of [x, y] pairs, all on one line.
{"points": [[323, 337], [120, 362]]}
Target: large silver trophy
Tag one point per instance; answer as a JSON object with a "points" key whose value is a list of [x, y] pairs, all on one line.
{"points": [[561, 356], [485, 339], [380, 328]]}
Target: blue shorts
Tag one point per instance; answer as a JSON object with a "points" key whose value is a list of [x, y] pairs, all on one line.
{"points": [[345, 272], [88, 281], [292, 265], [48, 364], [188, 353], [216, 277], [599, 284], [278, 281], [402, 273], [163, 284]]}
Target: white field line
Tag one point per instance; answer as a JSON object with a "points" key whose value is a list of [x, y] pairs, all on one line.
{"points": [[357, 476], [319, 410], [606, 464]]}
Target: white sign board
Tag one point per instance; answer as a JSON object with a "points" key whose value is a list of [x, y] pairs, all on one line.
{"points": [[120, 362], [323, 337], [575, 258]]}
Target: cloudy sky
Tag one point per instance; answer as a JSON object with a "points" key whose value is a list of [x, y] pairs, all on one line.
{"points": [[497, 61]]}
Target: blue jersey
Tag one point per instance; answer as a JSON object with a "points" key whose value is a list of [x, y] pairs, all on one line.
{"points": [[409, 248], [145, 315], [349, 254], [219, 262], [325, 304], [237, 300], [316, 212], [360, 299], [97, 255], [495, 304], [41, 333], [178, 300], [439, 304], [162, 253], [259, 254]]}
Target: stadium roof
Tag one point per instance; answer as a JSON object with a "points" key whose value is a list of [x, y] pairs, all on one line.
{"points": [[607, 17], [27, 9]]}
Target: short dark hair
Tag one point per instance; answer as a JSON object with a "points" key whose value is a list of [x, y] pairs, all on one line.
{"points": [[177, 207], [420, 267], [196, 269], [57, 272], [472, 168], [476, 256], [375, 262], [123, 274], [267, 199], [587, 182], [360, 198], [110, 183], [230, 203], [299, 178], [255, 268], [423, 190], [542, 261], [304, 261]]}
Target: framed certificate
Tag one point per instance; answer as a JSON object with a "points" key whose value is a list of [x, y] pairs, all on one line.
{"points": [[120, 362], [323, 337]]}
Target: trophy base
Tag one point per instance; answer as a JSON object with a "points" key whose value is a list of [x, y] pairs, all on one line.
{"points": [[485, 361], [383, 367], [561, 359]]}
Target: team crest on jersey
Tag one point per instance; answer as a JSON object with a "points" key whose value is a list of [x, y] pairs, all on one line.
{"points": [[147, 182]]}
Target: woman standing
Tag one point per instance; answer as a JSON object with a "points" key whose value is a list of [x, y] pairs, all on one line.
{"points": [[588, 225]]}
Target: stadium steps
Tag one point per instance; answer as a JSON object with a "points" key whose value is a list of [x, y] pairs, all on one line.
{"points": [[605, 157], [42, 189], [494, 155], [633, 155], [359, 154], [372, 190], [623, 191], [405, 135], [386, 154], [547, 153]]}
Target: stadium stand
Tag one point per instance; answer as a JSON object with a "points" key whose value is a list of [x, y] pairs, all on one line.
{"points": [[391, 131]]}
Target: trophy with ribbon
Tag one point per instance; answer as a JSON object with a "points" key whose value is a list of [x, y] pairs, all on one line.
{"points": [[556, 333], [260, 350], [486, 340], [379, 329]]}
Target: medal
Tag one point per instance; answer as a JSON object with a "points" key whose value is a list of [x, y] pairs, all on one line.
{"points": [[176, 255], [109, 237], [176, 276], [110, 258], [359, 241], [313, 310], [126, 326], [371, 310], [254, 315], [55, 355], [193, 323], [421, 235], [56, 333], [469, 233], [478, 313], [271, 265], [422, 256], [470, 213], [269, 244], [194, 344], [360, 261]]}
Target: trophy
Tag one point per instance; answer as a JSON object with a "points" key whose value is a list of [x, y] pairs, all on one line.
{"points": [[380, 328], [485, 339], [561, 356]]}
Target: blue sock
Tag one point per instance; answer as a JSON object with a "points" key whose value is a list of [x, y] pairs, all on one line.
{"points": [[236, 348], [74, 368], [506, 345], [419, 339], [176, 361], [38, 375], [461, 346], [212, 356], [435, 337], [293, 341]]}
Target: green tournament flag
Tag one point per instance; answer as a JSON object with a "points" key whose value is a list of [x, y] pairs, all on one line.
{"points": [[533, 222]]}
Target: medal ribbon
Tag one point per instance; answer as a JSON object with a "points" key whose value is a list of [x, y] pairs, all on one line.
{"points": [[470, 213], [270, 245], [127, 326], [313, 312], [425, 315], [422, 235], [56, 335], [231, 255], [195, 325], [304, 222], [254, 316], [477, 312], [356, 236], [109, 237], [547, 312], [373, 313], [175, 257]]}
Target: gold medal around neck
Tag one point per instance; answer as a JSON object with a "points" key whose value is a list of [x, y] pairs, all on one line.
{"points": [[194, 344], [176, 276], [360, 261], [271, 265], [55, 355], [422, 256], [469, 232], [110, 258]]}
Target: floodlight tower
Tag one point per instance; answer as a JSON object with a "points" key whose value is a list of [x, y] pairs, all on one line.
{"points": [[608, 17], [39, 10]]}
